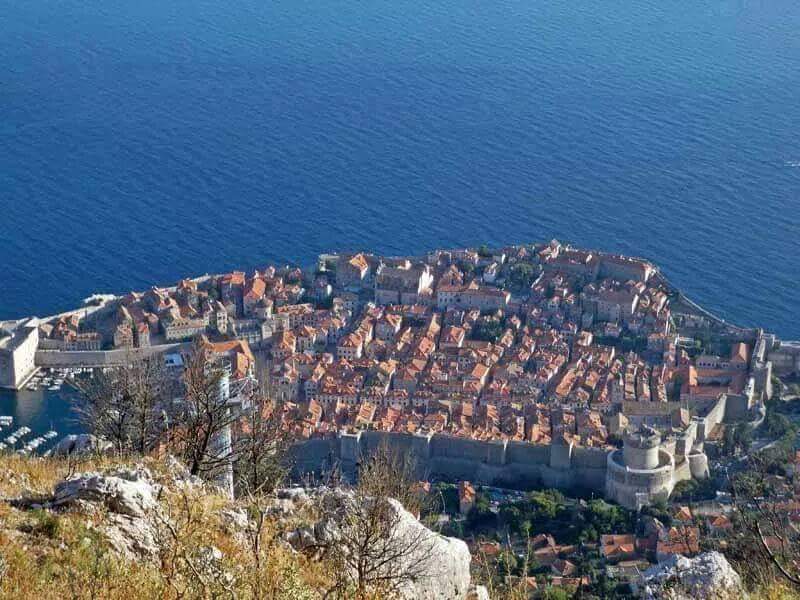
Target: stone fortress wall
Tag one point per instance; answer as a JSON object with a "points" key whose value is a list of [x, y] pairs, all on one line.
{"points": [[646, 470], [501, 463], [517, 465]]}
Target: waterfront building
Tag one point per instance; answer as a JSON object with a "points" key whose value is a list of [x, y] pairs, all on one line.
{"points": [[18, 343]]}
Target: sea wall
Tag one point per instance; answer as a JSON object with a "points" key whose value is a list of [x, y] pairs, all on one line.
{"points": [[100, 358]]}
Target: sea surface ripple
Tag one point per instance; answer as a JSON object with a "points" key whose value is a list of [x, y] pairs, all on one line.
{"points": [[145, 141]]}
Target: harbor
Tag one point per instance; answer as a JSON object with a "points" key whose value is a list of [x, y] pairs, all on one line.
{"points": [[53, 379], [33, 419]]}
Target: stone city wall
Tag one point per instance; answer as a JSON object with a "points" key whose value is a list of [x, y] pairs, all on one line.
{"points": [[100, 358], [508, 464]]}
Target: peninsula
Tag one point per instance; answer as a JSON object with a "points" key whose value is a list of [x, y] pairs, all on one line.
{"points": [[508, 377], [518, 366]]}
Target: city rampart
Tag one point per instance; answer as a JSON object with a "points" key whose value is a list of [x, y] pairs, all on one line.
{"points": [[509, 464], [645, 472], [65, 359]]}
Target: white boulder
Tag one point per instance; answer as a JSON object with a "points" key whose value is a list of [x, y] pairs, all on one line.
{"points": [[127, 492], [131, 537], [83, 443], [708, 576], [440, 565], [478, 592]]}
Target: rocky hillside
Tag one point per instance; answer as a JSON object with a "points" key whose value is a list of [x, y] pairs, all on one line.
{"points": [[101, 529]]}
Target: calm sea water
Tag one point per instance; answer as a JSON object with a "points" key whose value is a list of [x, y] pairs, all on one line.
{"points": [[41, 411], [144, 141]]}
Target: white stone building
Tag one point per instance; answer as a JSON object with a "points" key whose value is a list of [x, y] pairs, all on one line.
{"points": [[18, 343]]}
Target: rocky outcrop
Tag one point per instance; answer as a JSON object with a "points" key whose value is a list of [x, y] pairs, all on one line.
{"points": [[130, 498], [137, 511], [440, 564], [478, 592], [130, 536], [81, 444], [130, 492], [708, 576], [288, 501]]}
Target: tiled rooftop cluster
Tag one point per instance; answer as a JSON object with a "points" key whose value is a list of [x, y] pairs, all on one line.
{"points": [[522, 343]]}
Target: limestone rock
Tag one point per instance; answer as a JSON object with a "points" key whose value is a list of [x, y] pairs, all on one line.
{"points": [[81, 444], [128, 491], [708, 576], [301, 538], [236, 523], [208, 560], [288, 501], [478, 592], [234, 520], [297, 495], [442, 564], [180, 475], [131, 537]]}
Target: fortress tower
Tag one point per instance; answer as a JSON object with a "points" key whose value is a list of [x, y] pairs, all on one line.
{"points": [[641, 448], [643, 472]]}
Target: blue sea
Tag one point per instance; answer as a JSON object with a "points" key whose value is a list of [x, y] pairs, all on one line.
{"points": [[40, 411], [144, 141]]}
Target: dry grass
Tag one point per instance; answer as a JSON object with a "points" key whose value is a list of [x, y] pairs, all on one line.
{"points": [[37, 476], [776, 591], [56, 555]]}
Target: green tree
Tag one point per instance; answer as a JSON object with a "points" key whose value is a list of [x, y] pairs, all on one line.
{"points": [[743, 436], [481, 516], [546, 505], [487, 330], [554, 593], [522, 275]]}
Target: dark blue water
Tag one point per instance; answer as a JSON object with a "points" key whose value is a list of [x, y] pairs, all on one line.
{"points": [[144, 141], [41, 411]]}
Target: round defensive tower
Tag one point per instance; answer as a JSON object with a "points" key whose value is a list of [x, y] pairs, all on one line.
{"points": [[642, 472], [641, 448]]}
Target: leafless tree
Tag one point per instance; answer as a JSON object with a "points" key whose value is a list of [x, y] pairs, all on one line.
{"points": [[187, 568], [388, 473], [766, 540], [203, 419], [262, 444], [373, 555], [123, 404]]}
